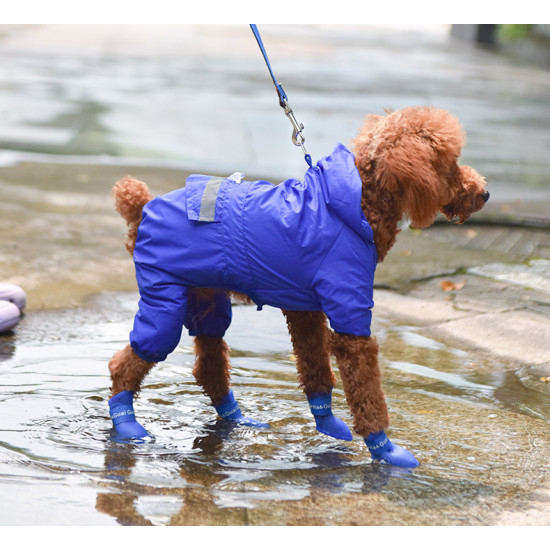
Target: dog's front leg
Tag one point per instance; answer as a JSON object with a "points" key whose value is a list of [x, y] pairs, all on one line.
{"points": [[311, 343], [357, 358]]}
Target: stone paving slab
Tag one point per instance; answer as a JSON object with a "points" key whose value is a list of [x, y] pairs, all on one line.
{"points": [[518, 243], [501, 308], [517, 334]]}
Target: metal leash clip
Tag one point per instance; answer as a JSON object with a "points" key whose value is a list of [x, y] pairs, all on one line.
{"points": [[297, 137]]}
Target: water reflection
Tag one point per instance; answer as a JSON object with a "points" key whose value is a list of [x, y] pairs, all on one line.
{"points": [[7, 346], [516, 396], [213, 488]]}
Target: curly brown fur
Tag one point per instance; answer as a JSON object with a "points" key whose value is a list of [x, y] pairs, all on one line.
{"points": [[212, 367], [131, 196], [127, 371], [467, 199], [408, 163], [311, 342], [357, 358]]}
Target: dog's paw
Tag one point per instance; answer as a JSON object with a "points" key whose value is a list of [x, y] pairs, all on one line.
{"points": [[131, 430], [326, 423], [248, 422], [384, 451], [332, 426], [121, 409], [230, 411]]}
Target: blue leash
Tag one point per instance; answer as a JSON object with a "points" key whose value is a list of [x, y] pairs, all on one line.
{"points": [[297, 137]]}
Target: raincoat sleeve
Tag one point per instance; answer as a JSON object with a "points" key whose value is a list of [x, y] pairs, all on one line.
{"points": [[344, 284]]}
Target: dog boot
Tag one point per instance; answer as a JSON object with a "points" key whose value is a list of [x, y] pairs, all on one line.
{"points": [[121, 407], [325, 421], [14, 294], [384, 451], [229, 410]]}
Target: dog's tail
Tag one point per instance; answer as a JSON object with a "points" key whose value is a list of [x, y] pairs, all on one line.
{"points": [[131, 196]]}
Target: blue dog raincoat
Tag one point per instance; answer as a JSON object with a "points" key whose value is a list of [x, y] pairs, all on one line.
{"points": [[299, 246]]}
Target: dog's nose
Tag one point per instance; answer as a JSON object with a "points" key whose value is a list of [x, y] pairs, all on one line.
{"points": [[485, 195]]}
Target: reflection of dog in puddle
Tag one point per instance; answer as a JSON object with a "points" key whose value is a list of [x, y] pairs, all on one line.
{"points": [[207, 485], [307, 247], [7, 347]]}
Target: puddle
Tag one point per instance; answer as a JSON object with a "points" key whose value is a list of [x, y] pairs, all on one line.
{"points": [[455, 372], [55, 442]]}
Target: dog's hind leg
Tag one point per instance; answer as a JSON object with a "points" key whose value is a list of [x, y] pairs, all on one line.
{"points": [[212, 368], [357, 358], [127, 373], [209, 319], [311, 343], [310, 338]]}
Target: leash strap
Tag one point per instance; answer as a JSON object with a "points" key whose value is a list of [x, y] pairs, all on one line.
{"points": [[297, 137], [282, 96]]}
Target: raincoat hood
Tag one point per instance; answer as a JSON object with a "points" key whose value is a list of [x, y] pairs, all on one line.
{"points": [[342, 186]]}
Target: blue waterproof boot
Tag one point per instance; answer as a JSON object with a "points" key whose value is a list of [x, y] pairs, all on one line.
{"points": [[384, 451], [229, 410], [325, 421], [121, 408]]}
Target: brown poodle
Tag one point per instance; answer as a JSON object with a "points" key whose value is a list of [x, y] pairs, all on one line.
{"points": [[309, 248]]}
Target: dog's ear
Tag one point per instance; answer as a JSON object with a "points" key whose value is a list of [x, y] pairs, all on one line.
{"points": [[416, 150], [407, 170]]}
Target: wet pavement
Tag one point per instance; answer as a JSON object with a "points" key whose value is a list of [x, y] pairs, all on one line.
{"points": [[462, 312]]}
